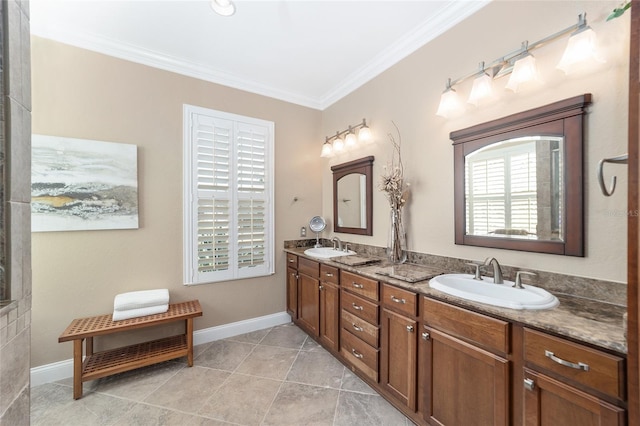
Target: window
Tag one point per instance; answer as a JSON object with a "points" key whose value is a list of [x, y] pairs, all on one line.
{"points": [[228, 193]]}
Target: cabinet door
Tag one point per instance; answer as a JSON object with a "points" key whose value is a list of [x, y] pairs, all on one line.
{"points": [[329, 314], [465, 384], [399, 357], [550, 402], [292, 293], [309, 303]]}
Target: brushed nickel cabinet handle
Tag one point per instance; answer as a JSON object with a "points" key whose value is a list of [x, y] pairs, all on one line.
{"points": [[578, 366], [529, 384], [395, 299], [426, 336], [329, 274], [321, 287], [291, 260], [356, 307], [357, 354], [410, 328], [357, 327], [357, 285]]}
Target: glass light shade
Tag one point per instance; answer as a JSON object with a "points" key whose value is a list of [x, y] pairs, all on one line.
{"points": [[327, 150], [350, 141], [223, 7], [524, 71], [581, 49], [365, 135], [338, 145], [482, 89], [449, 104]]}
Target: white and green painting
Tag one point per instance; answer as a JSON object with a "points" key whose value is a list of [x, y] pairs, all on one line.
{"points": [[79, 184]]}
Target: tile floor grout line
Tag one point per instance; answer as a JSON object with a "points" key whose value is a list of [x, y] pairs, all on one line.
{"points": [[335, 412], [266, 413]]}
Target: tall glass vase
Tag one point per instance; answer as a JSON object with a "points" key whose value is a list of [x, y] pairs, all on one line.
{"points": [[397, 244]]}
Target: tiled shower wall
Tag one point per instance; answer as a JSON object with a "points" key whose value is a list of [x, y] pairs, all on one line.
{"points": [[15, 212]]}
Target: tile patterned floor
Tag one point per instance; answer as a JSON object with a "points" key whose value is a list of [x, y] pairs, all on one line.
{"points": [[278, 376]]}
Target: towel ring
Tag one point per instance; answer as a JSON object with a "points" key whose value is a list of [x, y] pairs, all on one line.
{"points": [[621, 159]]}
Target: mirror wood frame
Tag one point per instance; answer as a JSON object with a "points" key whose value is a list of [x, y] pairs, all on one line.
{"points": [[362, 166], [563, 118]]}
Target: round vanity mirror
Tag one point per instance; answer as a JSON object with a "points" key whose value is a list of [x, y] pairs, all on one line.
{"points": [[317, 225]]}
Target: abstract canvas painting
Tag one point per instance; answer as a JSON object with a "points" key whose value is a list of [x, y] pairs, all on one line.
{"points": [[79, 184]]}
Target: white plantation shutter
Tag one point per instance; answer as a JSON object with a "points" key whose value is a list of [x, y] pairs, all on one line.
{"points": [[228, 220]]}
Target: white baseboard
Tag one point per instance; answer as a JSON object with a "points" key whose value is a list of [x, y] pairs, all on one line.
{"points": [[64, 369]]}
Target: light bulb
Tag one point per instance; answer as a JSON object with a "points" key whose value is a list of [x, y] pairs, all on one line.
{"points": [[350, 141], [482, 89], [223, 7], [524, 71], [449, 104], [581, 49], [365, 135], [327, 150], [338, 145]]}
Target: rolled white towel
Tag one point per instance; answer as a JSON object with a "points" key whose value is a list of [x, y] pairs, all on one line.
{"points": [[139, 312], [140, 299]]}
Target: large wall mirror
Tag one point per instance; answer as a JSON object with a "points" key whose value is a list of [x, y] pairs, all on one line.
{"points": [[518, 180], [353, 197]]}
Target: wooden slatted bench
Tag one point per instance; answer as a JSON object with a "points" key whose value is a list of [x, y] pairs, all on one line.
{"points": [[113, 361]]}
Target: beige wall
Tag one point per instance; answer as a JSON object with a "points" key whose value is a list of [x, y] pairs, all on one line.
{"points": [[409, 92], [82, 94]]}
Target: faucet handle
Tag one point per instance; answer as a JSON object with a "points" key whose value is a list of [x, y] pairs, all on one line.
{"points": [[518, 283], [346, 247], [477, 275]]}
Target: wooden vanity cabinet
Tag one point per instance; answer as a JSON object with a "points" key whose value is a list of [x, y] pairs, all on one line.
{"points": [[292, 286], [569, 383], [329, 306], [399, 350], [309, 296], [360, 325], [467, 374]]}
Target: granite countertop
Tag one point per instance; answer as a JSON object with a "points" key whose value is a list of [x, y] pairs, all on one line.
{"points": [[585, 320]]}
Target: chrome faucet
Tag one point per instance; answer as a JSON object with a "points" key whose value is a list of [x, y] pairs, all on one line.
{"points": [[497, 272], [337, 240]]}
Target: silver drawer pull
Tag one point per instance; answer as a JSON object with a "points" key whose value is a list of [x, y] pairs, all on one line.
{"points": [[329, 274], [357, 307], [578, 366], [357, 285], [357, 327], [410, 328], [291, 260], [529, 384], [395, 299], [357, 354], [425, 336]]}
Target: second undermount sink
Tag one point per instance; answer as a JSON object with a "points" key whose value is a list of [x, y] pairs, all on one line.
{"points": [[327, 252], [485, 291]]}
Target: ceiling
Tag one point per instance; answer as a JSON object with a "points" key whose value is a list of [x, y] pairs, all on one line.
{"points": [[311, 53]]}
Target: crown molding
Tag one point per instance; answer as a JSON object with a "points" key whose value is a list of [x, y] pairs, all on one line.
{"points": [[427, 31]]}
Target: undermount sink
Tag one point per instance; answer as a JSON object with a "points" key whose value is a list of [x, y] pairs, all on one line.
{"points": [[327, 252], [485, 291]]}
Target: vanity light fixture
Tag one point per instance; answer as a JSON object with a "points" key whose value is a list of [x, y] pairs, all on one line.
{"points": [[521, 65], [223, 7], [336, 144], [482, 87]]}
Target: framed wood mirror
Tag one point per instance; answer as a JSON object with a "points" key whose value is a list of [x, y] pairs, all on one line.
{"points": [[518, 180], [353, 197]]}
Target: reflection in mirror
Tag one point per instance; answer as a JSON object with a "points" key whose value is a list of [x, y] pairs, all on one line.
{"points": [[513, 189], [518, 180], [352, 207], [353, 197]]}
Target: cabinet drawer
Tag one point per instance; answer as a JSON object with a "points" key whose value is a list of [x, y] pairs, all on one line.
{"points": [[484, 331], [309, 267], [359, 307], [329, 274], [399, 299], [292, 260], [360, 328], [360, 355], [361, 285], [590, 367]]}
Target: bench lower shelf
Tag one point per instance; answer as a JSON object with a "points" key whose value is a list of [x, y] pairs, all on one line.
{"points": [[113, 361]]}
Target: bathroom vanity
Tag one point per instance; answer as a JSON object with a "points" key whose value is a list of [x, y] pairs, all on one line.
{"points": [[445, 360]]}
